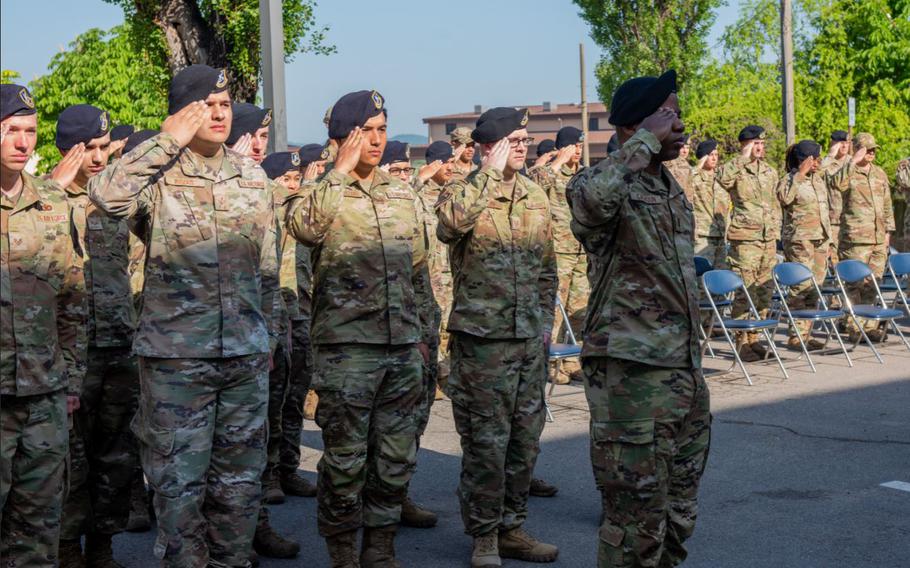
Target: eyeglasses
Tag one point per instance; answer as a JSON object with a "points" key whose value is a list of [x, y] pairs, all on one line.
{"points": [[515, 143], [399, 171]]}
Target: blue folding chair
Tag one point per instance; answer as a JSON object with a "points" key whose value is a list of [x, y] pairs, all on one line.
{"points": [[855, 272], [726, 283], [703, 265], [899, 271], [561, 351], [787, 275]]}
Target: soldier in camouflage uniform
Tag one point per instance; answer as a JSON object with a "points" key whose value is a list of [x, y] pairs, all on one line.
{"points": [[497, 222], [650, 419], [206, 327], [711, 205], [370, 299], [837, 154], [803, 195], [866, 223], [42, 350], [753, 230], [103, 453], [681, 170], [464, 162], [546, 153], [902, 178]]}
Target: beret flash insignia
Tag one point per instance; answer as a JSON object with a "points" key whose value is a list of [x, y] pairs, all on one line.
{"points": [[104, 122], [295, 159], [26, 98], [267, 119], [524, 119], [325, 154], [377, 99], [222, 80]]}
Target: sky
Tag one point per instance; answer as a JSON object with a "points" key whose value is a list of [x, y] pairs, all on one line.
{"points": [[426, 60]]}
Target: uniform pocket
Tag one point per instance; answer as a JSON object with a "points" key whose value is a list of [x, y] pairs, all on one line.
{"points": [[625, 452], [159, 440]]}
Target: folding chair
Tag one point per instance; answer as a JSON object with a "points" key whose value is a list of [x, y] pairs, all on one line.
{"points": [[899, 271], [854, 272], [726, 283], [703, 265], [560, 351], [790, 274]]}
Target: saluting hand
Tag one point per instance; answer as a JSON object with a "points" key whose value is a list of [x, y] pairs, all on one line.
{"points": [[117, 145], [806, 166], [859, 154], [65, 172], [746, 151], [563, 155], [544, 158], [183, 124], [458, 151], [311, 172], [660, 124], [428, 170], [4, 128], [244, 144], [701, 162], [349, 152], [498, 155]]}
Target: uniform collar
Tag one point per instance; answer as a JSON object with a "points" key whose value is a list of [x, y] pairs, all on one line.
{"points": [[521, 189], [74, 190], [193, 165], [27, 197]]}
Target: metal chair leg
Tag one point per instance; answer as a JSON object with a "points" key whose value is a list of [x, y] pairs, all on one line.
{"points": [[776, 354], [839, 340]]}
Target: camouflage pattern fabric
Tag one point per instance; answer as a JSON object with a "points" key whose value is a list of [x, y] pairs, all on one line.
{"points": [[33, 451], [752, 185], [301, 375], [440, 282], [103, 452], [876, 256], [462, 171], [753, 261], [202, 428], [902, 178], [814, 254], [278, 388], [712, 248], [650, 435], [681, 170], [711, 205], [368, 395], [868, 215], [828, 167], [637, 230], [497, 390]]}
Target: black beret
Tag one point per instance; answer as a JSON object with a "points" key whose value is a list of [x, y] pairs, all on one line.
{"points": [[194, 83], [353, 111], [839, 136], [439, 150], [705, 148], [497, 123], [310, 153], [396, 151], [685, 138], [805, 149], [280, 163], [15, 100], [137, 138], [81, 123], [567, 136], [248, 118], [751, 132], [121, 131], [613, 144], [638, 98], [545, 146]]}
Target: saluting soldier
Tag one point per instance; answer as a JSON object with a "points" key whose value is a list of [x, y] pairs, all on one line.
{"points": [[250, 130], [42, 347], [119, 135], [711, 204], [753, 230], [838, 153], [546, 152], [902, 177], [681, 169], [370, 331], [498, 227], [206, 328], [649, 403], [464, 149]]}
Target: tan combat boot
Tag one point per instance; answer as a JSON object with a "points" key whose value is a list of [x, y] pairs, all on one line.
{"points": [[413, 515], [297, 485], [343, 550], [486, 551], [518, 544], [540, 488], [268, 543], [98, 552], [70, 554], [309, 405], [379, 547], [744, 348], [271, 488]]}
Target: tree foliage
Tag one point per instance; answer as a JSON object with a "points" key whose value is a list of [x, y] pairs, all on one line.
{"points": [[9, 76]]}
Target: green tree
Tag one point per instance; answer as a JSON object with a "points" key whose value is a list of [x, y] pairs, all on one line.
{"points": [[648, 37], [220, 33], [8, 76]]}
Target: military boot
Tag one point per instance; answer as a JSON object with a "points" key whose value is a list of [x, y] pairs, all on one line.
{"points": [[297, 485], [540, 488], [268, 543], [272, 493], [70, 554], [744, 348], [98, 552], [486, 551], [413, 515], [309, 405], [139, 508], [518, 544], [342, 550], [877, 335], [378, 549]]}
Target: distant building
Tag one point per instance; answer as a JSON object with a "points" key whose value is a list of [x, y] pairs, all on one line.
{"points": [[543, 123]]}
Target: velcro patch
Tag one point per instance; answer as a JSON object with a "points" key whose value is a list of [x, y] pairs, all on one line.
{"points": [[353, 193], [398, 193], [251, 183], [493, 204], [536, 205], [184, 181], [59, 218]]}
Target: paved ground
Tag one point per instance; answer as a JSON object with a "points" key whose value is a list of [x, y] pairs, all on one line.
{"points": [[794, 478]]}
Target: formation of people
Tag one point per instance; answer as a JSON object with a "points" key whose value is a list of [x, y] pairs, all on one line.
{"points": [[170, 297]]}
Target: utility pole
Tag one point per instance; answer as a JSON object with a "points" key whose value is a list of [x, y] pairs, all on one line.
{"points": [[786, 52], [271, 41], [586, 153]]}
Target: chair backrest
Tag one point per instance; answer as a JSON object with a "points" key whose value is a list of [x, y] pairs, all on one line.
{"points": [[792, 273], [721, 282], [900, 263], [853, 270], [702, 265]]}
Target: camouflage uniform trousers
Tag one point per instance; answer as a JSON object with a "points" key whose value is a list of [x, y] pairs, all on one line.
{"points": [[201, 424], [876, 256], [33, 452], [443, 296], [650, 434], [368, 401], [497, 391], [278, 387], [835, 241], [814, 254], [103, 452], [574, 290], [298, 385], [712, 248], [753, 261]]}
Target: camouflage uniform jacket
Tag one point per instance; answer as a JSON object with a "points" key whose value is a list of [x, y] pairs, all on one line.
{"points": [[211, 269], [461, 171], [370, 277], [868, 215], [637, 229], [105, 242], [711, 205], [503, 263], [296, 273], [42, 305], [902, 177], [829, 167], [440, 271], [805, 203], [554, 183], [753, 189], [682, 173]]}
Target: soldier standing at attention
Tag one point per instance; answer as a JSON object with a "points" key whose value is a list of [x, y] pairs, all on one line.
{"points": [[119, 135], [497, 222], [250, 130], [681, 169], [42, 347], [837, 154], [546, 152], [103, 454], [803, 195], [753, 231], [902, 177], [866, 223], [650, 419], [711, 204], [371, 297], [464, 160], [206, 327]]}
